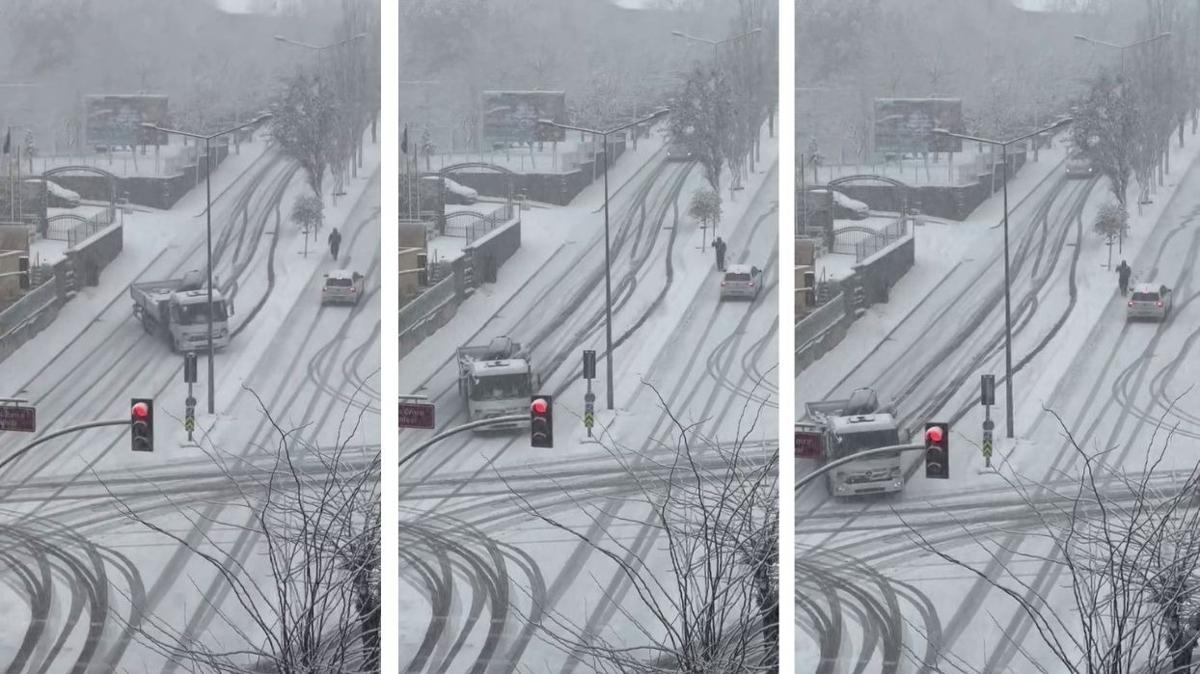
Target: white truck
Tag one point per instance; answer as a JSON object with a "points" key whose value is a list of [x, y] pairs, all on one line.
{"points": [[177, 311], [495, 380], [846, 427]]}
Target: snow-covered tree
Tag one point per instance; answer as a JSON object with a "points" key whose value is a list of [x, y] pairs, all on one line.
{"points": [[705, 207], [702, 121], [303, 126], [1105, 129], [1112, 222]]}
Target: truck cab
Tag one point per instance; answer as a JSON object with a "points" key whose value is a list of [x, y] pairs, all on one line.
{"points": [[849, 435], [189, 320], [495, 380], [848, 427], [342, 286]]}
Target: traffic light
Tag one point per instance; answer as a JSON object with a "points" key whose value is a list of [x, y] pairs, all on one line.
{"points": [[541, 422], [937, 450], [141, 424], [23, 268], [422, 269]]}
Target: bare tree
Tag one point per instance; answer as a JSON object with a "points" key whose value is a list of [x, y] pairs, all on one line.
{"points": [[315, 513], [1128, 544], [714, 505]]}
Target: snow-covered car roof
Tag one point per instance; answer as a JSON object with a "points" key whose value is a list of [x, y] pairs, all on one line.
{"points": [[341, 274], [457, 188], [1148, 288], [738, 269], [56, 189], [842, 199]]}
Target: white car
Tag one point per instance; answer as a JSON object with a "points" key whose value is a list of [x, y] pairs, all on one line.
{"points": [[1149, 301], [57, 196], [741, 281], [342, 286], [456, 193], [844, 206]]}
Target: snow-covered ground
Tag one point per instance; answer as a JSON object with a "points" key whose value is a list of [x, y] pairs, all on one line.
{"points": [[309, 365], [564, 157], [1073, 354], [170, 160], [708, 359], [964, 170]]}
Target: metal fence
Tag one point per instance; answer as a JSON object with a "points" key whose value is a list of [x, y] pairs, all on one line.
{"points": [[871, 244], [94, 224], [27, 307], [413, 313], [472, 225], [813, 325]]}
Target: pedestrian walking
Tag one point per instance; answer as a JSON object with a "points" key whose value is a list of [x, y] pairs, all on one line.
{"points": [[335, 242], [1123, 274], [719, 246]]}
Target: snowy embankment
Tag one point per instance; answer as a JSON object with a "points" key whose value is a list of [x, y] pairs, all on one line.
{"points": [[149, 235], [546, 234]]}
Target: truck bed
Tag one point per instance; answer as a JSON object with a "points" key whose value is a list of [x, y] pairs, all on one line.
{"points": [[149, 289]]}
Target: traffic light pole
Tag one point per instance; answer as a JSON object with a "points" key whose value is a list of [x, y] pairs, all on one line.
{"points": [[459, 429], [870, 453], [69, 429]]}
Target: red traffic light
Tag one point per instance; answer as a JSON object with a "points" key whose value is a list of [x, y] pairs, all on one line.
{"points": [[141, 410], [934, 434], [539, 406]]}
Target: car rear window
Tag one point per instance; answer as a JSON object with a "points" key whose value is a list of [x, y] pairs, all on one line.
{"points": [[339, 282], [737, 277], [1145, 297]]}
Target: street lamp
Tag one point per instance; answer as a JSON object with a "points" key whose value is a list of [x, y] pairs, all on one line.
{"points": [[1008, 373], [208, 217], [607, 259], [1123, 47], [715, 43]]}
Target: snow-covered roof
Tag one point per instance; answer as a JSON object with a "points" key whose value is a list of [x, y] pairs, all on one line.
{"points": [[490, 368], [738, 269], [862, 423], [341, 274], [1149, 288]]}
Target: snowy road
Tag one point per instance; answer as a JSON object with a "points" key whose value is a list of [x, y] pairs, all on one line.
{"points": [[869, 598], [479, 574], [88, 578]]}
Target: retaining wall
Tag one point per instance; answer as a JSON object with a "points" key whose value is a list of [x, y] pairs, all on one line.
{"points": [[146, 191], [550, 188]]}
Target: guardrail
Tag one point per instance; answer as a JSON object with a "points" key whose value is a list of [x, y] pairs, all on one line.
{"points": [[811, 327], [428, 302], [26, 308]]}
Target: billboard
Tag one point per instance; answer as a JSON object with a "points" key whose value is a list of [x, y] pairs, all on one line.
{"points": [[114, 121], [511, 116], [907, 124]]}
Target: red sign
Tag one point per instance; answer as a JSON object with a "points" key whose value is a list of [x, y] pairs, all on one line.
{"points": [[17, 418], [416, 415], [808, 445]]}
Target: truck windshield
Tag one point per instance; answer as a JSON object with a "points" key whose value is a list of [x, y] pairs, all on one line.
{"points": [[852, 443], [501, 387], [195, 314]]}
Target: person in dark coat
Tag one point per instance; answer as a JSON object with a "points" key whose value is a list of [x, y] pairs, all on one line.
{"points": [[335, 242], [719, 246], [1123, 273]]}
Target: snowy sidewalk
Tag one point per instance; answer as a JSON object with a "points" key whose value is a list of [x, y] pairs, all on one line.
{"points": [[544, 233], [939, 245]]}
